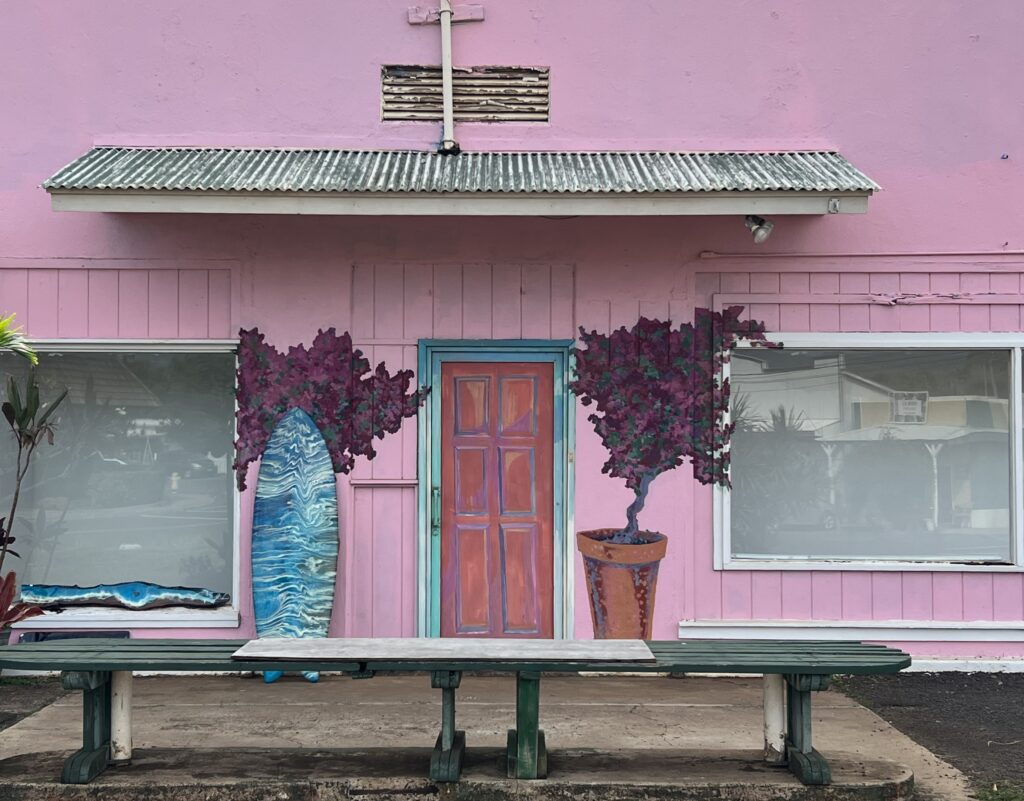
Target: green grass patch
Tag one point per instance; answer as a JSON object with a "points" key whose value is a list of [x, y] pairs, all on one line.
{"points": [[1001, 792], [26, 681]]}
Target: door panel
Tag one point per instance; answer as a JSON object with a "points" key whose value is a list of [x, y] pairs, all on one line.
{"points": [[471, 603], [497, 548]]}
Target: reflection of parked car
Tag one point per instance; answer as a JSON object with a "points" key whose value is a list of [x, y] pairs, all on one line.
{"points": [[820, 517], [187, 464]]}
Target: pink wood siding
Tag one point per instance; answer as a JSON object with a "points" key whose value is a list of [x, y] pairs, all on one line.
{"points": [[128, 303], [945, 297]]}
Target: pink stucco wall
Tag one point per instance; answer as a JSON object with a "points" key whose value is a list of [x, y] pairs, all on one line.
{"points": [[918, 96]]}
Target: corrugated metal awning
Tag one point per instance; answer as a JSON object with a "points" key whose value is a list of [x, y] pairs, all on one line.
{"points": [[278, 180]]}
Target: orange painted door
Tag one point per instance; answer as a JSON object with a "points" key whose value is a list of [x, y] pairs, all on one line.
{"points": [[497, 498]]}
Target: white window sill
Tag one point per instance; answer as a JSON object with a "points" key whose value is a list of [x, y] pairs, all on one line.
{"points": [[870, 630], [868, 565], [94, 617]]}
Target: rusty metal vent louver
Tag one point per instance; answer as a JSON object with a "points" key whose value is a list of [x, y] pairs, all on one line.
{"points": [[481, 94]]}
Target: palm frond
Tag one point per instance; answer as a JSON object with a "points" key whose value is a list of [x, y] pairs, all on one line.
{"points": [[13, 339]]}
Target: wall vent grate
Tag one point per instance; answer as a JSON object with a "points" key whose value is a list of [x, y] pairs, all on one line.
{"points": [[481, 94]]}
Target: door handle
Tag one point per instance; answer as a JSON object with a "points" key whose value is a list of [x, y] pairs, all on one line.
{"points": [[435, 511]]}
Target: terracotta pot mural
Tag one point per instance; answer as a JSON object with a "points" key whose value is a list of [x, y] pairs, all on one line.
{"points": [[621, 582], [659, 402]]}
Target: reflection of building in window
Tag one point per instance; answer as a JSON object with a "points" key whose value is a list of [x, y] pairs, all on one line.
{"points": [[868, 454]]}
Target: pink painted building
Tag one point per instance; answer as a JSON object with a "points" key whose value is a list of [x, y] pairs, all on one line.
{"points": [[269, 183]]}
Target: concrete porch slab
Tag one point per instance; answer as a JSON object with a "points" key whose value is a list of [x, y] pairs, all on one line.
{"points": [[223, 737], [399, 775]]}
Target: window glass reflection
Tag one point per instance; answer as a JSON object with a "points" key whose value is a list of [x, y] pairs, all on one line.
{"points": [[137, 485], [871, 454]]}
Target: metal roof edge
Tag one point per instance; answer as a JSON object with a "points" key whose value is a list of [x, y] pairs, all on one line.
{"points": [[346, 171]]}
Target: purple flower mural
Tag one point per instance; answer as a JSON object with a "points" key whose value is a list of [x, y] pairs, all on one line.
{"points": [[332, 382], [659, 400]]}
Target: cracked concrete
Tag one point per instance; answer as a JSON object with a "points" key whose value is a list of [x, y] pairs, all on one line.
{"points": [[638, 737]]}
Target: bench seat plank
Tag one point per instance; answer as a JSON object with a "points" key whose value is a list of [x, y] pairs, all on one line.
{"points": [[437, 649], [685, 656]]}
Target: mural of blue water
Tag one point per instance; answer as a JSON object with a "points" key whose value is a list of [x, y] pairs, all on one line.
{"points": [[134, 595], [294, 534]]}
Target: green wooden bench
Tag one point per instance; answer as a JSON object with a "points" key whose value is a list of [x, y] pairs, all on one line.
{"points": [[102, 669]]}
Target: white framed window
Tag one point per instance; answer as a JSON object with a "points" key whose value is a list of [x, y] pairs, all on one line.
{"points": [[874, 451], [138, 484]]}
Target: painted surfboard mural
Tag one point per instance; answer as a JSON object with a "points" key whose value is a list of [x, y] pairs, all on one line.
{"points": [[294, 535]]}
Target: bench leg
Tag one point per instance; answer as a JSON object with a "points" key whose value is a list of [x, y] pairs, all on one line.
{"points": [[121, 717], [804, 762], [92, 759], [774, 719], [446, 759], [527, 756]]}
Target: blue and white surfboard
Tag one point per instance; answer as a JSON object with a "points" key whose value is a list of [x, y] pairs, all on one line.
{"points": [[294, 535]]}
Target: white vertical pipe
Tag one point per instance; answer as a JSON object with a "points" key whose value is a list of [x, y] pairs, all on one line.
{"points": [[774, 720], [121, 717], [448, 142]]}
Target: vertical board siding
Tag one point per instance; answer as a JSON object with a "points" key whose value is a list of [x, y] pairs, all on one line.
{"points": [[220, 323], [104, 303], [856, 596], [359, 615], [164, 304], [103, 299], [563, 302], [826, 595], [388, 462], [193, 304], [912, 301], [43, 303], [766, 588], [417, 302], [737, 595], [133, 303], [447, 302], [507, 301], [978, 600], [887, 596], [477, 302], [72, 303], [535, 309], [1007, 597]]}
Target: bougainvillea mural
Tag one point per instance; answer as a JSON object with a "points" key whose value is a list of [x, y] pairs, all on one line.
{"points": [[659, 398], [332, 382]]}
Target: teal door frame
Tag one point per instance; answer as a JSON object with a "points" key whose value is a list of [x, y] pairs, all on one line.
{"points": [[432, 354]]}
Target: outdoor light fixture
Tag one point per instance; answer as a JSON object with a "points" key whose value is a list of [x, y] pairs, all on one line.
{"points": [[759, 227]]}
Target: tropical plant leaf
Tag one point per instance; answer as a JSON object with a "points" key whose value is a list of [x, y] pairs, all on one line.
{"points": [[31, 398], [52, 407], [12, 339], [16, 613], [14, 398], [7, 588], [10, 612]]}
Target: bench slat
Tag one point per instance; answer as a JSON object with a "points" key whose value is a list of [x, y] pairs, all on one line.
{"points": [[684, 656]]}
